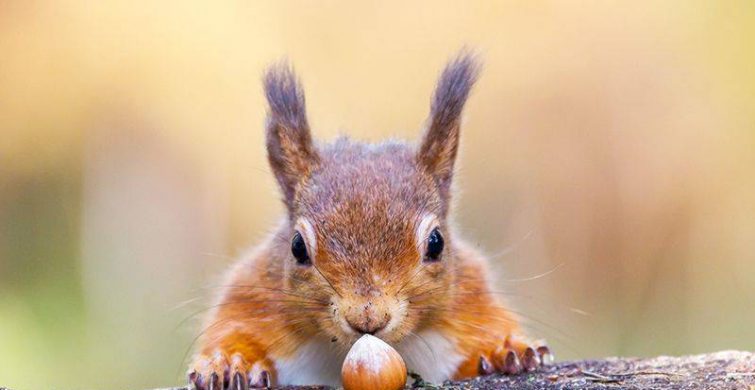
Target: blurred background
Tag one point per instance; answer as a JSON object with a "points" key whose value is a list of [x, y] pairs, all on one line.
{"points": [[607, 165]]}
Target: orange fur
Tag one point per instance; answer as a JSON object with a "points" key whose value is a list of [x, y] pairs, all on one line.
{"points": [[364, 212]]}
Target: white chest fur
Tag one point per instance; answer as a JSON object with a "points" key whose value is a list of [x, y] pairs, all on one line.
{"points": [[431, 355], [428, 353], [316, 362]]}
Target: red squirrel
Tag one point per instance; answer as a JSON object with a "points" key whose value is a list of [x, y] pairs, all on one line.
{"points": [[366, 248]]}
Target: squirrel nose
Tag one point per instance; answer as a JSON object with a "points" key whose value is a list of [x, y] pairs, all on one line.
{"points": [[368, 327], [366, 316]]}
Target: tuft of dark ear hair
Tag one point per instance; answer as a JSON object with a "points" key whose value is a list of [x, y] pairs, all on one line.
{"points": [[290, 150], [440, 143]]}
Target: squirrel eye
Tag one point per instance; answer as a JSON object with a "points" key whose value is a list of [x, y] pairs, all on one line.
{"points": [[299, 250], [434, 246]]}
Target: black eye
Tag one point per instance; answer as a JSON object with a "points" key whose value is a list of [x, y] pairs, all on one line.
{"points": [[299, 250], [434, 246]]}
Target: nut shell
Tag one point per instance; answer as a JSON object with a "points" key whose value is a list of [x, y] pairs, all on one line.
{"points": [[371, 364]]}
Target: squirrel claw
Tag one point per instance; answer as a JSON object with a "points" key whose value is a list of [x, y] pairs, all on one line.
{"points": [[511, 363], [530, 359], [260, 381], [214, 382], [515, 356], [209, 373], [220, 373], [545, 354], [485, 367], [195, 380], [239, 382], [239, 368]]}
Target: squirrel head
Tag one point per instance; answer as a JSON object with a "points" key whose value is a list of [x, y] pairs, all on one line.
{"points": [[367, 224]]}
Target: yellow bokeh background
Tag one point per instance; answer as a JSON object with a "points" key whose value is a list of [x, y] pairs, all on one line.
{"points": [[607, 165]]}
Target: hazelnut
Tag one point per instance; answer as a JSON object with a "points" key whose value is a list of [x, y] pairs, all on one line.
{"points": [[371, 364]]}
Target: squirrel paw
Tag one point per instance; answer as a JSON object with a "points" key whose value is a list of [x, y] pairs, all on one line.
{"points": [[515, 356], [217, 372]]}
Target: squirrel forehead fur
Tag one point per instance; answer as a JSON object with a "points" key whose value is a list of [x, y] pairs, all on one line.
{"points": [[365, 201]]}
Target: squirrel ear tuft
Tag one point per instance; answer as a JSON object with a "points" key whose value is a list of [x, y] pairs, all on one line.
{"points": [[290, 150], [440, 143]]}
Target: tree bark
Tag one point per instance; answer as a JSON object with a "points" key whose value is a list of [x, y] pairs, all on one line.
{"points": [[720, 370]]}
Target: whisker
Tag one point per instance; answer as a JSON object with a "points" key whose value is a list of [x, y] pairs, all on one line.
{"points": [[304, 304], [427, 345], [298, 328], [535, 277], [327, 280], [494, 333], [185, 303], [422, 267], [194, 340], [513, 247], [427, 292], [280, 290], [269, 270]]}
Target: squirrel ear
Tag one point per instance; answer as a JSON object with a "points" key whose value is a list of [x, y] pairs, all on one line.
{"points": [[290, 150], [437, 151]]}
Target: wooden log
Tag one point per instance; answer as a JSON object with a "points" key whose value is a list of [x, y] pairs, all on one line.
{"points": [[720, 370]]}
